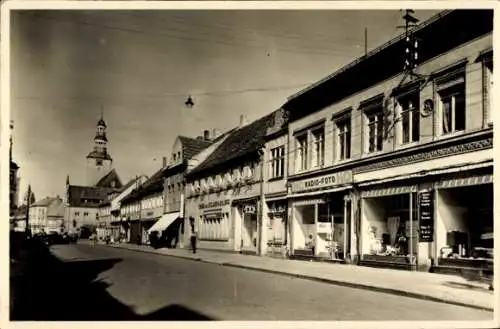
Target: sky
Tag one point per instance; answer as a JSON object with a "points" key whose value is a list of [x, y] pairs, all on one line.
{"points": [[139, 67]]}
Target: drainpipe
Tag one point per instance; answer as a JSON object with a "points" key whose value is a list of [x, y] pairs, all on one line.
{"points": [[263, 218]]}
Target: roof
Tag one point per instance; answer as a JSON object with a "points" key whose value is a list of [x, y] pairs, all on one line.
{"points": [[101, 122], [239, 143], [151, 186], [99, 155], [386, 61], [193, 146], [45, 202], [86, 196], [106, 180], [129, 183]]}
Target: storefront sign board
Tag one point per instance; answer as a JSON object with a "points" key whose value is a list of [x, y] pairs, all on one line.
{"points": [[325, 181], [214, 204], [426, 215], [324, 228]]}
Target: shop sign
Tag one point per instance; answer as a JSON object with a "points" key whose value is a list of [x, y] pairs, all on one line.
{"points": [[324, 228], [249, 209], [426, 216], [280, 208], [343, 177], [214, 204]]}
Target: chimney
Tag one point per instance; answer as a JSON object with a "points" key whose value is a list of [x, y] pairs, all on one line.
{"points": [[215, 133], [164, 162], [243, 120], [206, 135]]}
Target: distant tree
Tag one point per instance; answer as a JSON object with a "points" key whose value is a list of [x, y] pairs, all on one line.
{"points": [[30, 195]]}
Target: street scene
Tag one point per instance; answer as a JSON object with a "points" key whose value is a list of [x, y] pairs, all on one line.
{"points": [[247, 165]]}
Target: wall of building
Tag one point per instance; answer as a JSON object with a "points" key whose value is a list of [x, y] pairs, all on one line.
{"points": [[95, 172], [38, 218], [152, 206], [274, 185], [174, 189], [82, 216], [474, 104]]}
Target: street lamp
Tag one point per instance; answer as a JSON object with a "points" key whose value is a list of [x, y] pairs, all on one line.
{"points": [[189, 102]]}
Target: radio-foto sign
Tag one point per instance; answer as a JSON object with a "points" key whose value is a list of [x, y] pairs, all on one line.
{"points": [[343, 177]]}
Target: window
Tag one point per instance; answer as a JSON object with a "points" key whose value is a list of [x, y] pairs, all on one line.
{"points": [[375, 130], [318, 150], [85, 214], [301, 157], [451, 92], [452, 111], [77, 213], [174, 157], [179, 155], [277, 162], [409, 118], [344, 138]]}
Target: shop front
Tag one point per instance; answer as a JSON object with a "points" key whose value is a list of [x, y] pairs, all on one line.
{"points": [[245, 212], [389, 226], [277, 227], [321, 216], [464, 223], [212, 221]]}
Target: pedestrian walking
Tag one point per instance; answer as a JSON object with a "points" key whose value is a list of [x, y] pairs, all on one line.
{"points": [[92, 239]]}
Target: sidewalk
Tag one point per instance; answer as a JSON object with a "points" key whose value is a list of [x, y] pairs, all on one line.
{"points": [[438, 287]]}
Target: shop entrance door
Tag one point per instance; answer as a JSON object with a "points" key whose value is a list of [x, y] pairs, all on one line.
{"points": [[249, 234], [276, 233], [135, 233]]}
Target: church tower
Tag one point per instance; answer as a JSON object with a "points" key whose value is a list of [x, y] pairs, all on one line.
{"points": [[99, 162]]}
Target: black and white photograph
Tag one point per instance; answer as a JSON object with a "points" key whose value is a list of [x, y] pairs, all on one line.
{"points": [[179, 161]]}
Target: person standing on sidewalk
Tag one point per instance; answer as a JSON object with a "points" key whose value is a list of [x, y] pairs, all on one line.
{"points": [[194, 235], [194, 238]]}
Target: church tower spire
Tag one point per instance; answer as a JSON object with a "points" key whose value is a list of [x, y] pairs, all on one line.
{"points": [[99, 161]]}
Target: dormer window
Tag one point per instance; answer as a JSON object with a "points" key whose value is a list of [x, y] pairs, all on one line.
{"points": [[174, 157]]}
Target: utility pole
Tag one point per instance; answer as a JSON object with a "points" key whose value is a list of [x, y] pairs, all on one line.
{"points": [[366, 41]]}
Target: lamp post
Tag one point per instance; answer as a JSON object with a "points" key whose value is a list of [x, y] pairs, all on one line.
{"points": [[189, 103]]}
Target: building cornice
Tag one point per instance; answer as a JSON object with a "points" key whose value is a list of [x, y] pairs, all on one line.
{"points": [[463, 143]]}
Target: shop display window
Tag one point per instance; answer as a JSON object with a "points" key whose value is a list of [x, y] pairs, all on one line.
{"points": [[466, 216], [389, 227]]}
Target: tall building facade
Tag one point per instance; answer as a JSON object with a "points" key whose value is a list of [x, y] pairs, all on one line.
{"points": [[83, 201], [99, 162], [396, 169]]}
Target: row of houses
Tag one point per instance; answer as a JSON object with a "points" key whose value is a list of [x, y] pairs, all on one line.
{"points": [[374, 165], [45, 215]]}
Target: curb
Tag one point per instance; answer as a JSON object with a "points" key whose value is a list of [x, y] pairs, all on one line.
{"points": [[325, 280]]}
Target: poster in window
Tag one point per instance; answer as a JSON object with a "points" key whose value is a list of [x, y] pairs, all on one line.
{"points": [[426, 216]]}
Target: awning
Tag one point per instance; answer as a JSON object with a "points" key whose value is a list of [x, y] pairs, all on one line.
{"points": [[465, 181], [433, 172], [388, 191], [323, 191], [164, 222]]}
